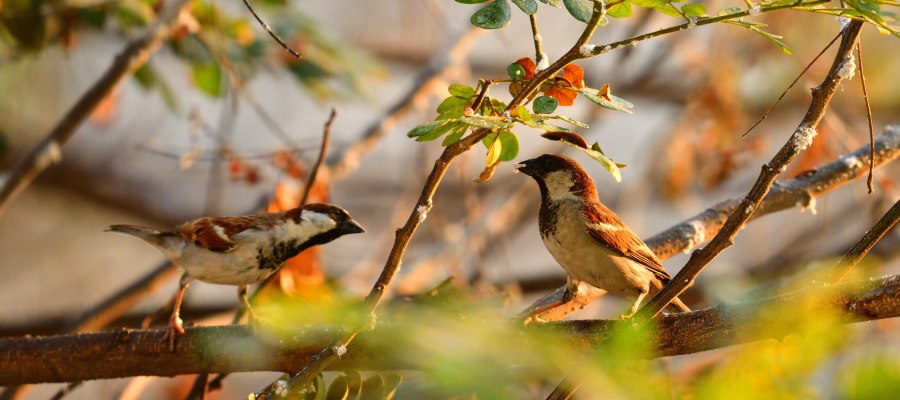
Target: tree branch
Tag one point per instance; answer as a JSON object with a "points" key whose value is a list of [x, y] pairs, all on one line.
{"points": [[233, 348], [48, 152], [800, 140]]}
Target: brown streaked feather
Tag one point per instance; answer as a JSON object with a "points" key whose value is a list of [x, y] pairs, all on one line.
{"points": [[203, 233], [623, 241]]}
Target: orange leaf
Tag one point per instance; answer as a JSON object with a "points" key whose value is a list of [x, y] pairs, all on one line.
{"points": [[564, 96], [235, 168], [528, 65], [605, 93], [574, 75]]}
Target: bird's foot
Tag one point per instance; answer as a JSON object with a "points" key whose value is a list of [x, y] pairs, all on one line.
{"points": [[175, 329]]}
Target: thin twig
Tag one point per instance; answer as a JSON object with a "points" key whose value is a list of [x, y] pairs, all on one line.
{"points": [[801, 139], [872, 236], [49, 151], [794, 82], [539, 55], [66, 390], [862, 80], [271, 33], [403, 236], [326, 135]]}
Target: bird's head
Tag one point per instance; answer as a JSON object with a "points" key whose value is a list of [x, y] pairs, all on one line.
{"points": [[326, 218], [559, 177]]}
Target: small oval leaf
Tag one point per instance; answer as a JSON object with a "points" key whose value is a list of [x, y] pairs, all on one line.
{"points": [[484, 122], [544, 105], [567, 137], [461, 91], [510, 145], [425, 128], [492, 16], [580, 9], [527, 6]]}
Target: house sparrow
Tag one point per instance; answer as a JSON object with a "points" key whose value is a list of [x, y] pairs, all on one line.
{"points": [[241, 250], [589, 240]]}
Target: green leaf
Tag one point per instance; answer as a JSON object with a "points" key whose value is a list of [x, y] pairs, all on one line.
{"points": [[495, 147], [554, 3], [774, 39], [621, 10], [148, 79], [427, 127], [539, 124], [544, 105], [452, 103], [208, 78], [461, 91], [650, 3], [580, 9], [479, 121], [510, 145], [523, 113], [729, 11], [616, 103], [527, 6], [572, 121], [492, 16], [470, 1], [515, 71], [456, 134], [694, 10], [597, 154], [438, 131]]}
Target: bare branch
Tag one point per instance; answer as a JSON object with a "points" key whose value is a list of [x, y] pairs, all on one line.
{"points": [[269, 30], [799, 141], [48, 152], [326, 135]]}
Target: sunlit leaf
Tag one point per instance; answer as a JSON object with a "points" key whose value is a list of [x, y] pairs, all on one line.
{"points": [[455, 134], [426, 128], [527, 65], [574, 75], [461, 91], [594, 151], [563, 95], [539, 124], [527, 6], [554, 3], [580, 9], [572, 121], [544, 105], [493, 152], [621, 10], [729, 11], [485, 122], [208, 78], [452, 103], [492, 16], [523, 113], [694, 10], [438, 132], [510, 145], [613, 103]]}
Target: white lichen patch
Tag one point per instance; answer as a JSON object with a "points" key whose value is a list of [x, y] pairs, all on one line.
{"points": [[51, 154], [422, 213], [803, 137], [281, 387], [587, 50], [692, 23], [748, 210], [852, 162], [755, 10], [339, 350], [848, 67], [537, 37], [695, 236], [843, 21], [543, 62], [810, 205]]}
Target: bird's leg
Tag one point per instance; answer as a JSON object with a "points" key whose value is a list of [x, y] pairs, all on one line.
{"points": [[242, 294], [634, 307], [176, 326]]}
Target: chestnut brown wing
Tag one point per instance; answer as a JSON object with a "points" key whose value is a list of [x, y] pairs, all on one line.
{"points": [[605, 227], [215, 234]]}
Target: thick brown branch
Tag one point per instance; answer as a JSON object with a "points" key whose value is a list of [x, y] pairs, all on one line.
{"points": [[116, 354], [799, 141], [48, 152]]}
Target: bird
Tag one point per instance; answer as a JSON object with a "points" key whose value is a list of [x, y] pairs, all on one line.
{"points": [[588, 239], [241, 250]]}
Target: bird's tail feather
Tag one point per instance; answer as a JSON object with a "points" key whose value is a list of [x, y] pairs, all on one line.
{"points": [[148, 235]]}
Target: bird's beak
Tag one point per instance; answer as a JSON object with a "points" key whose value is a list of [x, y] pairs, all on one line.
{"points": [[524, 168], [352, 226]]}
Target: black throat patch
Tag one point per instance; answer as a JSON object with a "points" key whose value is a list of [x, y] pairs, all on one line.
{"points": [[273, 254]]}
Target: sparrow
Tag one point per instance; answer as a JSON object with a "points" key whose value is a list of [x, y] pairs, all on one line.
{"points": [[241, 250], [588, 239]]}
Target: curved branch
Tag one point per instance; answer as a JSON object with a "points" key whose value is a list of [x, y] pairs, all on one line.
{"points": [[48, 152], [225, 349], [799, 141]]}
